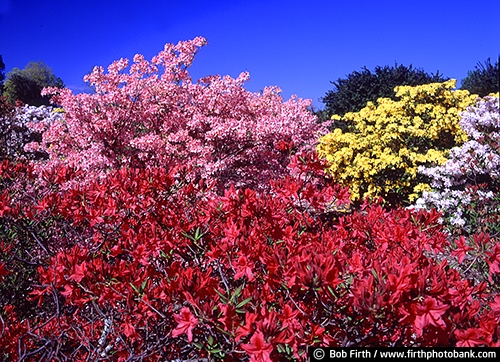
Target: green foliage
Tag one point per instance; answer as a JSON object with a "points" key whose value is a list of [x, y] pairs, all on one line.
{"points": [[26, 85], [484, 80], [351, 94], [321, 114]]}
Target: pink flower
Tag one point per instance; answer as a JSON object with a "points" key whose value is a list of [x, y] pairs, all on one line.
{"points": [[186, 322]]}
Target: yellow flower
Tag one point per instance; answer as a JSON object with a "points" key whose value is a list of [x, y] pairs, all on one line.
{"points": [[389, 141]]}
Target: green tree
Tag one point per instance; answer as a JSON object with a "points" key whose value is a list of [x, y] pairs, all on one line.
{"points": [[485, 79], [351, 94], [26, 85]]}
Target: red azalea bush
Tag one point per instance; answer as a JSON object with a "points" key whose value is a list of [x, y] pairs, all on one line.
{"points": [[150, 267]]}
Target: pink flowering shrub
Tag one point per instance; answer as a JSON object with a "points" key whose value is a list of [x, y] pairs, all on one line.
{"points": [[151, 113]]}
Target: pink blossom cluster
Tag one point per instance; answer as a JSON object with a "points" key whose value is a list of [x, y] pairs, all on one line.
{"points": [[151, 113], [475, 162]]}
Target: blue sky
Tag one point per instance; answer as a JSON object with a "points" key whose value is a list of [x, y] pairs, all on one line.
{"points": [[299, 46]]}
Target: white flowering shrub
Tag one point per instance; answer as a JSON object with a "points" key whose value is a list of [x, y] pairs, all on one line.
{"points": [[23, 126], [471, 177]]}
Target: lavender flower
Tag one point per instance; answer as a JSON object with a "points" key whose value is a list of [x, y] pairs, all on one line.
{"points": [[24, 127], [476, 162]]}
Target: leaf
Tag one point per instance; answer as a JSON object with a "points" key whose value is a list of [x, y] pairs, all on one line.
{"points": [[187, 235], [223, 297], [198, 345], [243, 302], [210, 340], [134, 288], [198, 235], [236, 294], [143, 285]]}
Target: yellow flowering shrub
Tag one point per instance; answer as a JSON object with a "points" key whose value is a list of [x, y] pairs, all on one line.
{"points": [[390, 139]]}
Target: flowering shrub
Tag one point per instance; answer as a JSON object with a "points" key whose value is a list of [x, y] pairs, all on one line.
{"points": [[21, 238], [471, 176], [139, 240], [391, 139], [5, 107], [466, 190], [154, 115], [150, 266], [23, 125]]}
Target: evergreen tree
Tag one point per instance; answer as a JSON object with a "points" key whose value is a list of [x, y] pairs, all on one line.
{"points": [[351, 94], [485, 79]]}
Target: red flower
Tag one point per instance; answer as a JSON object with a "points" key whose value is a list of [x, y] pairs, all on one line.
{"points": [[258, 349], [79, 273], [461, 249], [469, 338], [288, 316], [3, 271], [282, 146], [494, 260], [129, 330], [356, 263], [495, 305], [4, 203], [481, 239], [232, 231], [243, 268], [186, 322], [401, 283], [429, 313], [248, 328], [229, 317]]}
